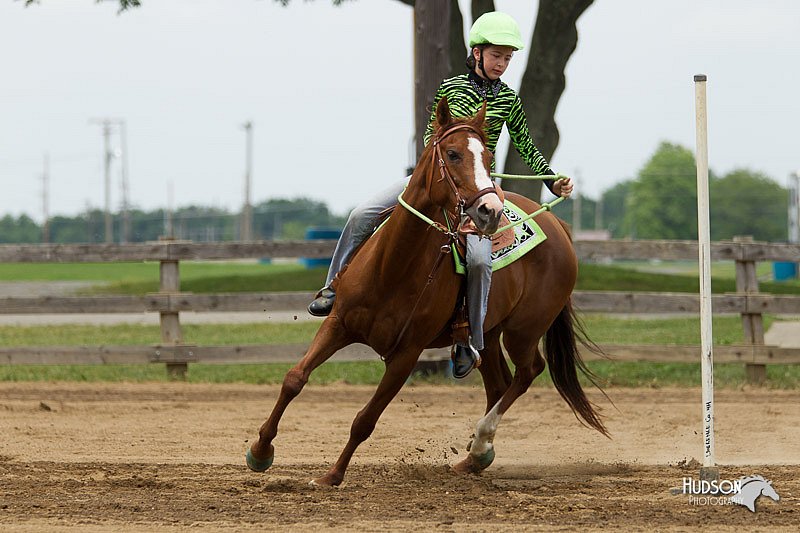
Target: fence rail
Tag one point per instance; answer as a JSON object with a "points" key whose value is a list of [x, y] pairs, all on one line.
{"points": [[589, 301], [187, 250], [170, 302]]}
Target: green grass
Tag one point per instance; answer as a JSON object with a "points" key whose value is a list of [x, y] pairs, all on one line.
{"points": [[203, 277], [332, 372], [275, 279], [218, 277], [609, 374], [196, 276], [138, 335], [602, 329], [594, 277]]}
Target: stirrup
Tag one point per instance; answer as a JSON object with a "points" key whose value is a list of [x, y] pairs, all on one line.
{"points": [[465, 359], [323, 304]]}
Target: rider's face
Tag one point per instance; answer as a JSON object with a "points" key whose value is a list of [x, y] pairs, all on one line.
{"points": [[495, 60]]}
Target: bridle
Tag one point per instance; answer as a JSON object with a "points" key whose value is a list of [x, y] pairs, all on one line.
{"points": [[462, 204]]}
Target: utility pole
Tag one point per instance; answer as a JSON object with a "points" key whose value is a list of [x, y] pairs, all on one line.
{"points": [[598, 213], [169, 229], [794, 207], [126, 212], [109, 226], [46, 199], [576, 204], [107, 123], [246, 223]]}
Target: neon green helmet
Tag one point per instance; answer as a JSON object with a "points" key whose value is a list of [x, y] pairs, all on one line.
{"points": [[495, 28]]}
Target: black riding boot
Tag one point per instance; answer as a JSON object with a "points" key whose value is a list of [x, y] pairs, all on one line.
{"points": [[323, 304], [465, 358]]}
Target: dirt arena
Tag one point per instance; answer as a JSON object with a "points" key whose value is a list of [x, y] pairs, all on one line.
{"points": [[162, 458]]}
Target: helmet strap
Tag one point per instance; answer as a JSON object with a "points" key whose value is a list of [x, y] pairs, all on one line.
{"points": [[480, 64]]}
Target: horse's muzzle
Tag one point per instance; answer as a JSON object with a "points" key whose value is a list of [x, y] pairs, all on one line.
{"points": [[486, 213]]}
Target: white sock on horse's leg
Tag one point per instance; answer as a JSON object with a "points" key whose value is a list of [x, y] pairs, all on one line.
{"points": [[485, 431]]}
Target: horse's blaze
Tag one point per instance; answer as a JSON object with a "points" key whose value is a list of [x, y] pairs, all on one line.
{"points": [[484, 181]]}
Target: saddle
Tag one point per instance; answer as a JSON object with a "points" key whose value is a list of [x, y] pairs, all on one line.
{"points": [[499, 241]]}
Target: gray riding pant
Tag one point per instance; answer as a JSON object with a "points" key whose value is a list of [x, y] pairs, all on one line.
{"points": [[360, 225]]}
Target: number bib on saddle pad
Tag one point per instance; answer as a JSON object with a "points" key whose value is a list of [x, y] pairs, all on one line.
{"points": [[506, 249]]}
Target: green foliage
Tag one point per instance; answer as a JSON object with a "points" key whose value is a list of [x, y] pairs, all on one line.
{"points": [[588, 206], [744, 202], [21, 229], [662, 202], [613, 205], [296, 278], [123, 4], [288, 219], [272, 219]]}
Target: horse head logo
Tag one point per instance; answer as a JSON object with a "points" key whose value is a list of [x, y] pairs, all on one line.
{"points": [[752, 488]]}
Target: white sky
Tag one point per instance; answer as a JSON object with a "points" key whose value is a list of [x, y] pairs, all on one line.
{"points": [[330, 93]]}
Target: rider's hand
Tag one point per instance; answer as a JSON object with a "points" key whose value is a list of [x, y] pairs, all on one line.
{"points": [[563, 187]]}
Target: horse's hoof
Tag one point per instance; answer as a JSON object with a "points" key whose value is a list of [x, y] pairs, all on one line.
{"points": [[259, 465], [474, 464], [326, 482]]}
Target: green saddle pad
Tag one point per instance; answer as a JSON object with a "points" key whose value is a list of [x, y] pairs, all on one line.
{"points": [[527, 236]]}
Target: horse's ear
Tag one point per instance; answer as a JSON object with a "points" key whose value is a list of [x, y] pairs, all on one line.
{"points": [[443, 116], [479, 120]]}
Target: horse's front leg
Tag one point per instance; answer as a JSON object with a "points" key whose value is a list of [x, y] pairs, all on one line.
{"points": [[330, 338], [398, 368], [481, 449]]}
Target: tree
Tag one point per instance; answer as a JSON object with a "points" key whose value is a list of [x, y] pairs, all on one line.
{"points": [[555, 38], [614, 204], [744, 202], [662, 203], [123, 4]]}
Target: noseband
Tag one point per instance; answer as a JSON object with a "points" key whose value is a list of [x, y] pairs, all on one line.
{"points": [[462, 204]]}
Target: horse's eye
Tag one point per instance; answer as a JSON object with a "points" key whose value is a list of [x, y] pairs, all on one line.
{"points": [[453, 155]]}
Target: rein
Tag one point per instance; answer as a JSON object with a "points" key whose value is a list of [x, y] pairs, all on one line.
{"points": [[545, 207], [461, 203]]}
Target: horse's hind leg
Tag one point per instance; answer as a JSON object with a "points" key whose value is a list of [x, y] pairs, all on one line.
{"points": [[398, 368], [529, 363], [330, 338]]}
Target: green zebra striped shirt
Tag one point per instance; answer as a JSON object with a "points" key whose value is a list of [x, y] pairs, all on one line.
{"points": [[465, 95]]}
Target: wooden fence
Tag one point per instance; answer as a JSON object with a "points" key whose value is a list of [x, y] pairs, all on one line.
{"points": [[169, 302]]}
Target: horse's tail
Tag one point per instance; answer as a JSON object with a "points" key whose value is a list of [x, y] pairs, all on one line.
{"points": [[563, 361]]}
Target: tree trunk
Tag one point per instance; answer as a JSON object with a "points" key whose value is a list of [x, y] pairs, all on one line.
{"points": [[458, 52], [555, 38], [431, 59], [479, 7]]}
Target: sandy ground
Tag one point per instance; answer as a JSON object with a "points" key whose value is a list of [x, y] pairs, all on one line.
{"points": [[102, 457]]}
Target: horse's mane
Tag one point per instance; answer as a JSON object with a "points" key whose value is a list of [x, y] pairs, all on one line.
{"points": [[750, 479]]}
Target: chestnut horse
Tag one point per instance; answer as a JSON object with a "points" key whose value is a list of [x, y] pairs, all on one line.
{"points": [[398, 295]]}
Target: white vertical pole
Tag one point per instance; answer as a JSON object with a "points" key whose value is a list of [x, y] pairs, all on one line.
{"points": [[709, 470], [794, 207]]}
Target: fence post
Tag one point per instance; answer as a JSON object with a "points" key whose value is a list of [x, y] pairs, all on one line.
{"points": [[171, 335], [752, 323]]}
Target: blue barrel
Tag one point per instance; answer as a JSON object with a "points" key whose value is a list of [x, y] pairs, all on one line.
{"points": [[784, 270], [320, 233]]}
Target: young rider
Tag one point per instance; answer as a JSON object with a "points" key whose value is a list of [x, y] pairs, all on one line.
{"points": [[493, 39]]}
